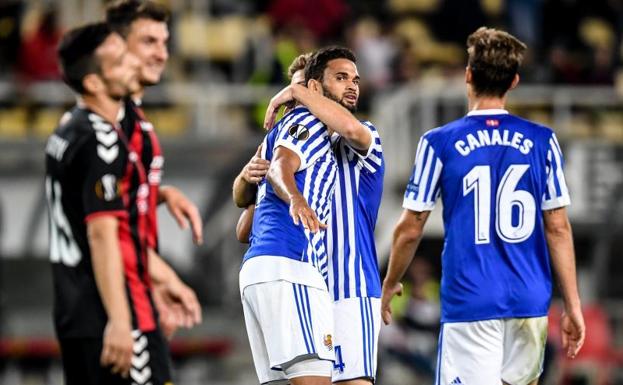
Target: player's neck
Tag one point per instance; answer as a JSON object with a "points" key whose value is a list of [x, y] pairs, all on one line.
{"points": [[104, 106], [487, 103], [137, 97]]}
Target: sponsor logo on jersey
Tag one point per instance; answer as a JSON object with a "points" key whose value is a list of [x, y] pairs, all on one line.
{"points": [[413, 188], [299, 132]]}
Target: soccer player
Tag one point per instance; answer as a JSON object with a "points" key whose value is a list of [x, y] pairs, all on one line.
{"points": [[103, 312], [143, 24], [504, 194], [282, 280], [354, 281]]}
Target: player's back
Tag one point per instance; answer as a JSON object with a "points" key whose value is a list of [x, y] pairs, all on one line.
{"points": [[495, 173], [353, 261]]}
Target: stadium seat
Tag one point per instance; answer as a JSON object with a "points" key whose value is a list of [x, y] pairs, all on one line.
{"points": [[45, 121], [13, 122]]}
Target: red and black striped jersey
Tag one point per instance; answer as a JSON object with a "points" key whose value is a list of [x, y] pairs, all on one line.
{"points": [[91, 170]]}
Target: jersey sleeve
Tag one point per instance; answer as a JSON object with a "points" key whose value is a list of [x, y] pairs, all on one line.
{"points": [[556, 193], [424, 187], [306, 136], [371, 160], [104, 166]]}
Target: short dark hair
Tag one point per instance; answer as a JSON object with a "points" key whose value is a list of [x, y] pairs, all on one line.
{"points": [[76, 53], [494, 58], [314, 69], [121, 14]]}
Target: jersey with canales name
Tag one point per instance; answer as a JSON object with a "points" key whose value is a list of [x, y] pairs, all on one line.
{"points": [[91, 171], [495, 173], [274, 232], [353, 265]]}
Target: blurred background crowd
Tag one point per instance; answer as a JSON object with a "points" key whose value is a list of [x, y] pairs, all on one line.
{"points": [[227, 58]]}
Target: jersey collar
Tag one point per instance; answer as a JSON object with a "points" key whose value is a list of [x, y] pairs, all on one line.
{"points": [[493, 111]]}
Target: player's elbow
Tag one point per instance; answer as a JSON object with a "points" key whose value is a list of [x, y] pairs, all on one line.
{"points": [[356, 132], [557, 224]]}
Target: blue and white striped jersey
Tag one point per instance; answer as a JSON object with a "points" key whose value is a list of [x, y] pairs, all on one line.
{"points": [[495, 172], [274, 232], [354, 270]]}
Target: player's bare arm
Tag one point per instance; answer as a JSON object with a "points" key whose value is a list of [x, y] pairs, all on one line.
{"points": [[183, 210], [176, 300], [331, 113], [281, 177], [109, 276], [245, 184], [245, 224], [407, 236], [560, 242]]}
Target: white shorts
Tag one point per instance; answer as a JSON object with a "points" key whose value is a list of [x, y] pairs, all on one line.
{"points": [[287, 323], [357, 325], [491, 351]]}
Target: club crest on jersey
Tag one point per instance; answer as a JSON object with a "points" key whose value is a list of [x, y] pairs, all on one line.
{"points": [[327, 340], [299, 132]]}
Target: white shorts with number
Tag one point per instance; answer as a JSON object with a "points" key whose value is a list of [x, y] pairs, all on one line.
{"points": [[286, 323], [357, 325], [491, 351]]}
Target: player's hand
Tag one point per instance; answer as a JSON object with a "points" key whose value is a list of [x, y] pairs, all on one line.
{"points": [[178, 306], [573, 331], [184, 211], [117, 347], [284, 96], [254, 171], [386, 299], [303, 214]]}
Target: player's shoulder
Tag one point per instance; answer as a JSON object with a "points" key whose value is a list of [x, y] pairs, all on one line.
{"points": [[538, 129]]}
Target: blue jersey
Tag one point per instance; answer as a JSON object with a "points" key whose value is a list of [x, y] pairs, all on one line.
{"points": [[495, 173], [274, 232], [353, 262]]}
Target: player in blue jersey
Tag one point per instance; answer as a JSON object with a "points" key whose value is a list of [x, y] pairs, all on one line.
{"points": [[504, 194], [353, 277], [282, 279]]}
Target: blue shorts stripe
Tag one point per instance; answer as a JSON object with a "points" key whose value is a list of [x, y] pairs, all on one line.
{"points": [[306, 321], [298, 308], [363, 335], [372, 344], [369, 345], [309, 317], [439, 347]]}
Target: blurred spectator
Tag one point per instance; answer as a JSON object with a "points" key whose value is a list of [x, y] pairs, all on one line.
{"points": [[322, 17], [412, 339], [10, 18], [37, 58], [375, 52]]}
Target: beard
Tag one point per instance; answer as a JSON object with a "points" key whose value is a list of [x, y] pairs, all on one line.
{"points": [[351, 108]]}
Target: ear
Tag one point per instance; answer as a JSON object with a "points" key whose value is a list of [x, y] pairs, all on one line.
{"points": [[515, 82], [315, 86], [468, 75], [92, 83]]}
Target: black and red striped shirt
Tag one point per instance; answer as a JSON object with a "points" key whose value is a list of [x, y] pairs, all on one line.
{"points": [[94, 168]]}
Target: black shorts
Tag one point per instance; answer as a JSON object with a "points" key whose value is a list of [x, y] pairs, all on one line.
{"points": [[150, 362]]}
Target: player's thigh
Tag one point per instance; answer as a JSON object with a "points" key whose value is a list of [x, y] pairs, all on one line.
{"points": [[357, 325], [265, 374], [470, 353], [524, 349], [81, 363], [296, 321]]}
